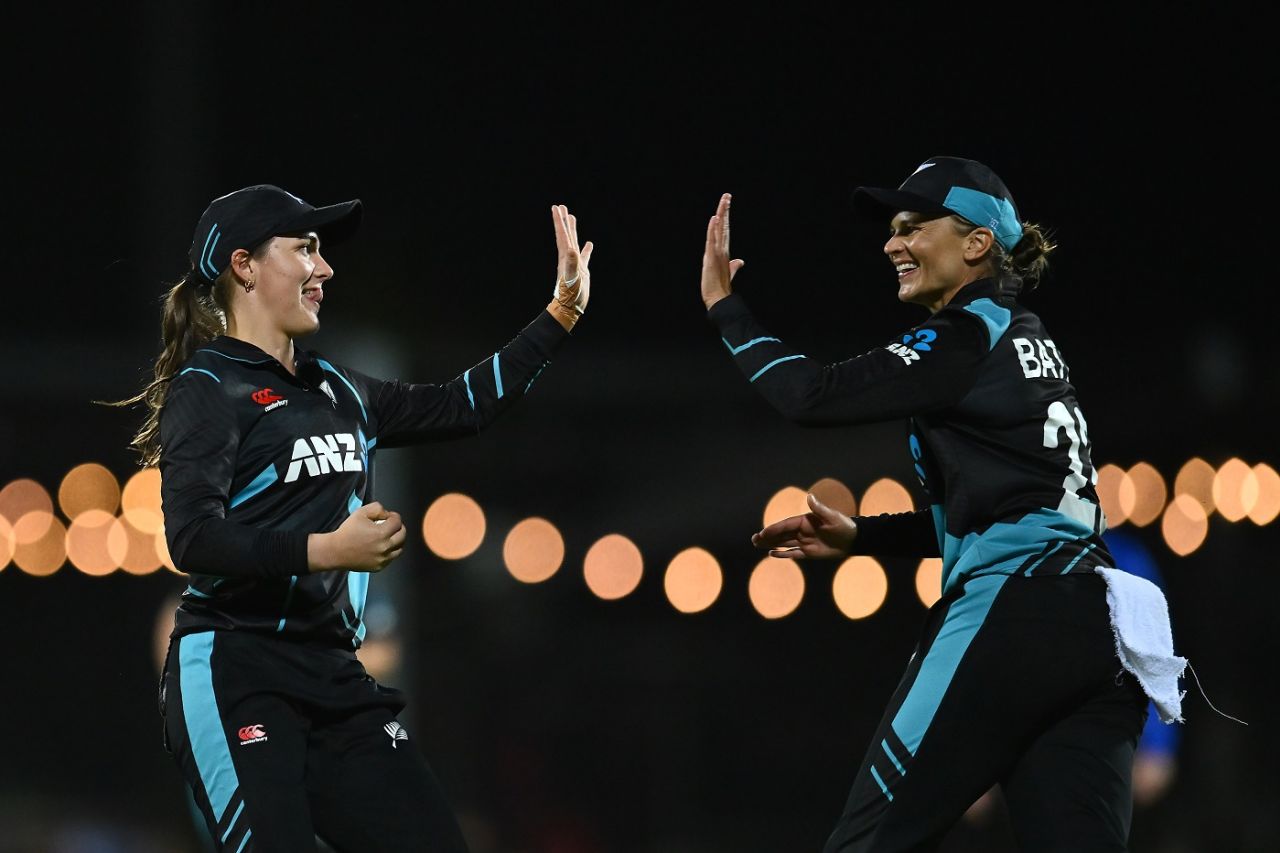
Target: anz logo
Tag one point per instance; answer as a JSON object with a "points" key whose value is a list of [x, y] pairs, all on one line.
{"points": [[911, 347], [322, 454]]}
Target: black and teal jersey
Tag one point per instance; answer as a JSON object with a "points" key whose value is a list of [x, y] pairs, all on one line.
{"points": [[254, 459], [996, 434]]}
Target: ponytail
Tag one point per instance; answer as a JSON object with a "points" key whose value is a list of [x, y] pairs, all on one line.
{"points": [[194, 313]]}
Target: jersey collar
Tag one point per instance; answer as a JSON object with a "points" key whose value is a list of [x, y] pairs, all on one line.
{"points": [[982, 288], [246, 352]]}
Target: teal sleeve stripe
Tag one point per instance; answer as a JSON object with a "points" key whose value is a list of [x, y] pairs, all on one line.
{"points": [[288, 597], [204, 725], [880, 782], [200, 370], [260, 483], [244, 841], [235, 817], [1078, 557], [774, 363], [466, 380], [961, 624], [748, 345], [996, 317], [884, 744], [329, 367], [497, 375]]}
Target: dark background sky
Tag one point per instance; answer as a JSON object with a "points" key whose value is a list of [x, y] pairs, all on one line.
{"points": [[550, 714]]}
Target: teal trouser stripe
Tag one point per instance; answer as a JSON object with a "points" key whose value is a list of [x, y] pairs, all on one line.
{"points": [[204, 723]]}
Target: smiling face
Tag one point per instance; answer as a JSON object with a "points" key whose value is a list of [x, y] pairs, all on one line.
{"points": [[934, 257], [288, 287]]}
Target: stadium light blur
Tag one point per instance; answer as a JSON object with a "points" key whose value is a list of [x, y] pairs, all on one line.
{"points": [[44, 553], [929, 580], [786, 502], [1184, 525], [693, 580], [613, 567], [533, 550], [1149, 494], [776, 587], [1229, 486], [88, 486], [140, 501], [834, 494], [88, 542], [139, 555], [886, 495], [1267, 507], [20, 498], [860, 586], [1112, 483], [453, 526], [7, 543], [1195, 479]]}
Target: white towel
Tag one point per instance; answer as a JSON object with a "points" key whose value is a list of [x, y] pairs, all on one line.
{"points": [[1144, 640]]}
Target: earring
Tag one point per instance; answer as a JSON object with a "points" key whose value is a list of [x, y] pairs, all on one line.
{"points": [[248, 286]]}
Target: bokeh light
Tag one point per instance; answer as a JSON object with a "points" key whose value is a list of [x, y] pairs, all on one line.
{"points": [[453, 526], [1149, 494], [88, 542], [860, 586], [139, 555], [693, 580], [89, 486], [834, 494], [533, 550], [776, 587], [140, 501], [43, 554], [929, 580], [886, 495], [1184, 525], [1195, 479], [785, 503], [1229, 489], [25, 497], [1266, 508], [613, 567], [1112, 480], [7, 542]]}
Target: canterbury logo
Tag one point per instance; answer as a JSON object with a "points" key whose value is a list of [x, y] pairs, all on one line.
{"points": [[264, 396], [252, 734], [396, 732], [322, 454]]}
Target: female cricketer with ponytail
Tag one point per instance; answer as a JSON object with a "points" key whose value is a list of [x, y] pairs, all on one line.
{"points": [[1016, 677], [265, 452]]}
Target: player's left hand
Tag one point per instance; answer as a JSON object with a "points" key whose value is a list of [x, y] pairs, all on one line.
{"points": [[821, 534], [717, 270], [573, 274]]}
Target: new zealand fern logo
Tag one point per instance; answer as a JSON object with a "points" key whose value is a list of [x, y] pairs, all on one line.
{"points": [[396, 732]]}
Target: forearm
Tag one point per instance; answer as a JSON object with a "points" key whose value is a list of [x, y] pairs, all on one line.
{"points": [[903, 534], [223, 548]]}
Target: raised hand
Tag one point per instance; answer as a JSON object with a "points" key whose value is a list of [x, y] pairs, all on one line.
{"points": [[822, 534], [573, 274], [367, 541], [717, 269]]}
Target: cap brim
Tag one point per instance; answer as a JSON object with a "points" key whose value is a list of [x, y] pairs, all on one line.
{"points": [[877, 201], [333, 223]]}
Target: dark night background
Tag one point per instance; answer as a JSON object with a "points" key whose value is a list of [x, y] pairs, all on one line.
{"points": [[558, 722]]}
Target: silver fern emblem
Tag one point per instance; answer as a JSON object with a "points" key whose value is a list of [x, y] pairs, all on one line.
{"points": [[396, 732]]}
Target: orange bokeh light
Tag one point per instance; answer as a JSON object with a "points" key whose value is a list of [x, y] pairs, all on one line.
{"points": [[834, 494], [776, 587], [89, 486], [7, 542], [89, 545], [1184, 525], [786, 502], [137, 554], [533, 550], [1195, 479], [613, 567], [1229, 487], [1111, 480], [26, 498], [929, 580], [860, 586], [1267, 506], [886, 495], [453, 526], [693, 580], [1149, 494], [44, 554], [140, 501]]}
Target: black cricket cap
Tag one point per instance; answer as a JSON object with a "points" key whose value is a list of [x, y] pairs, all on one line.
{"points": [[249, 217], [946, 185]]}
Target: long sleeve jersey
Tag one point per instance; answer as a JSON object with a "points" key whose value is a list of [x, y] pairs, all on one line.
{"points": [[997, 437], [254, 459]]}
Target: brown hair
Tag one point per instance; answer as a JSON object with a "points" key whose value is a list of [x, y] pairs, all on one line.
{"points": [[194, 313], [1024, 264]]}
